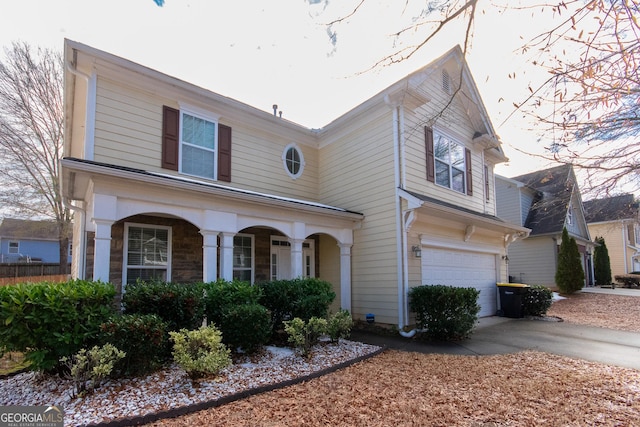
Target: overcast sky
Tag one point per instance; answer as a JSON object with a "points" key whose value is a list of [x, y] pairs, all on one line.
{"points": [[278, 52]]}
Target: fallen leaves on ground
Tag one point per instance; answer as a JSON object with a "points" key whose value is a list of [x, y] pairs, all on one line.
{"points": [[601, 310], [412, 389]]}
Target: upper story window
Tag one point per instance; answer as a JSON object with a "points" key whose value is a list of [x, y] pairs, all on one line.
{"points": [[293, 160], [198, 144], [450, 163], [14, 247], [570, 215], [194, 143]]}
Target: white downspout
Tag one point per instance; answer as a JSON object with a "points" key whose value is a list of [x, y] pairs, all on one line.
{"points": [[400, 244]]}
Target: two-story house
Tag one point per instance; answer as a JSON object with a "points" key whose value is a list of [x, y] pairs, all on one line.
{"points": [[546, 202], [617, 220], [24, 241], [169, 180]]}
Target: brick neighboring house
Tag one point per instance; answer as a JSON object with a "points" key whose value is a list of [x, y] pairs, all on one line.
{"points": [[617, 220]]}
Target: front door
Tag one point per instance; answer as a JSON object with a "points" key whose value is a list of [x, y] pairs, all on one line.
{"points": [[281, 258]]}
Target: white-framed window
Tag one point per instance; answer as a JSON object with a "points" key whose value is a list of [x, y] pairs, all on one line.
{"points": [[198, 143], [147, 252], [14, 247], [450, 163], [243, 257], [570, 215], [293, 160]]}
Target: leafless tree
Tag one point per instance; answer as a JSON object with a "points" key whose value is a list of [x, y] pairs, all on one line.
{"points": [[31, 137], [586, 112]]}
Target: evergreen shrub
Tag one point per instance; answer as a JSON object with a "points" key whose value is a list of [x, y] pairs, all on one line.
{"points": [[445, 312], [536, 300], [48, 321], [179, 305]]}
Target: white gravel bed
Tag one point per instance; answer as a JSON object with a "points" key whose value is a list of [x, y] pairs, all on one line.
{"points": [[171, 388]]}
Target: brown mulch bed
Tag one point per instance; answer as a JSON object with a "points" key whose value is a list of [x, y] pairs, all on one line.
{"points": [[410, 389], [601, 310]]}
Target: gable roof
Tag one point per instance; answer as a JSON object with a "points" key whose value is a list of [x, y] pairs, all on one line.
{"points": [[614, 208], [25, 229], [554, 188]]}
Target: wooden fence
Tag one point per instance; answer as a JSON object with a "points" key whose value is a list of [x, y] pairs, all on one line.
{"points": [[18, 270], [34, 279]]}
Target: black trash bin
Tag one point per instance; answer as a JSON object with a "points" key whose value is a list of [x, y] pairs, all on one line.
{"points": [[510, 297]]}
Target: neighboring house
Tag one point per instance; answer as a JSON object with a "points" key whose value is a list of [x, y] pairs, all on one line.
{"points": [[617, 220], [544, 201], [172, 181], [24, 240]]}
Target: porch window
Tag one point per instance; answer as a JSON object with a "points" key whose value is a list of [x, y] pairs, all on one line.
{"points": [[450, 163], [243, 265], [14, 247], [147, 252], [198, 142]]}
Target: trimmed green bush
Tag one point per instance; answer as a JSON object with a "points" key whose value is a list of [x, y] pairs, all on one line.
{"points": [[339, 325], [536, 300], [304, 335], [303, 298], [89, 368], [179, 305], [200, 352], [445, 312], [233, 307], [48, 321], [144, 339], [245, 326], [221, 294]]}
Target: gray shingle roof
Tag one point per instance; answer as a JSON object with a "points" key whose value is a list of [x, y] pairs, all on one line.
{"points": [[13, 228], [611, 208], [553, 189]]}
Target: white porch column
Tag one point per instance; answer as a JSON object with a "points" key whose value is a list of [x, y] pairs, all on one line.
{"points": [[296, 258], [226, 256], [209, 256], [345, 276], [102, 250]]}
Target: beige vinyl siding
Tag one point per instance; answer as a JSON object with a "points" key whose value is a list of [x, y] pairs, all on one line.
{"points": [[128, 127], [357, 173], [533, 261], [454, 123], [128, 133], [614, 237]]}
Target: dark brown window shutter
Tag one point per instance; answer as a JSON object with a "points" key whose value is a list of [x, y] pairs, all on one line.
{"points": [[486, 182], [431, 167], [224, 153], [467, 160], [170, 136]]}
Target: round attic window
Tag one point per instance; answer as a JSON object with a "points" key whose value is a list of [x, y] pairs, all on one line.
{"points": [[293, 160]]}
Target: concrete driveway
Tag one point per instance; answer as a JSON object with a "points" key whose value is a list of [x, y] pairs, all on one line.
{"points": [[500, 335]]}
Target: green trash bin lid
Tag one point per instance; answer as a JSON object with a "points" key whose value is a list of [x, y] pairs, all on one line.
{"points": [[512, 285]]}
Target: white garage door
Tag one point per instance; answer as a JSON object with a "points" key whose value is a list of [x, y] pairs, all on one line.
{"points": [[464, 269]]}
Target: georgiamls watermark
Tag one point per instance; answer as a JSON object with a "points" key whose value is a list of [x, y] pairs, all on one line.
{"points": [[31, 416]]}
